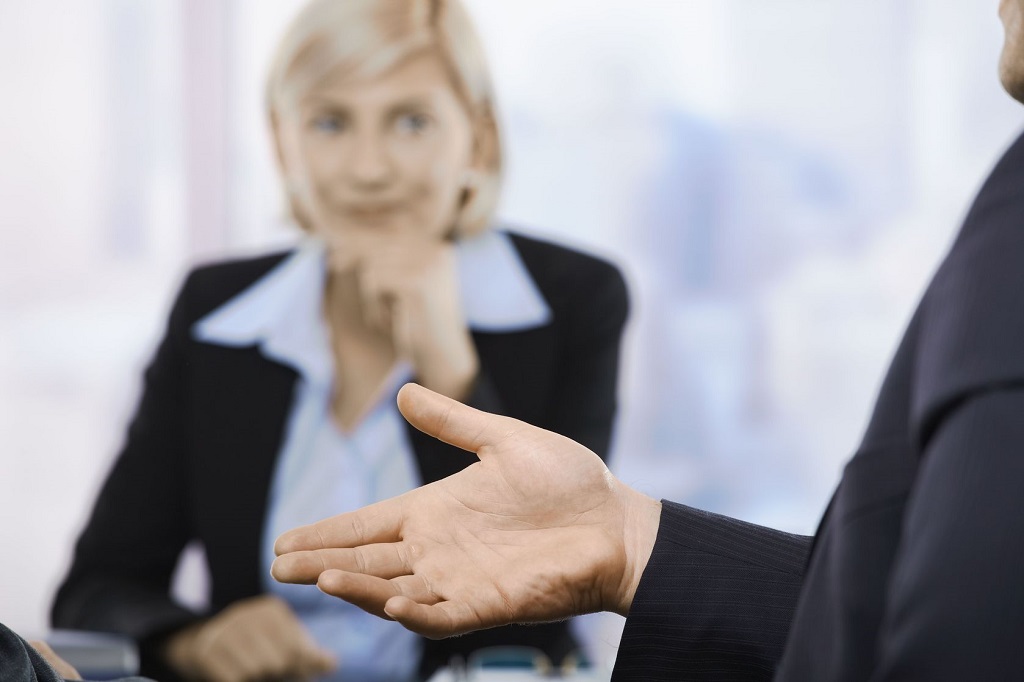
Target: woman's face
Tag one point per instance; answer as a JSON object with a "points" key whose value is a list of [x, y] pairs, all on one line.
{"points": [[389, 154]]}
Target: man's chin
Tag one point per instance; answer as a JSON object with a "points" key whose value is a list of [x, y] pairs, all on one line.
{"points": [[1012, 73], [1012, 78]]}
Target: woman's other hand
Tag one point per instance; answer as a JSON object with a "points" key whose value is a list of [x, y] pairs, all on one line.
{"points": [[409, 290], [254, 639], [63, 668]]}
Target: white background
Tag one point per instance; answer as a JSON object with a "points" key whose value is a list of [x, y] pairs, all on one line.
{"points": [[777, 180]]}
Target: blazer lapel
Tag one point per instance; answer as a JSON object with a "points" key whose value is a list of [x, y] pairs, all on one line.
{"points": [[239, 415]]}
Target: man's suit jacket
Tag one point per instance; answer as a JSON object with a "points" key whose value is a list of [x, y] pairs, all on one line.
{"points": [[21, 662], [917, 569], [202, 446]]}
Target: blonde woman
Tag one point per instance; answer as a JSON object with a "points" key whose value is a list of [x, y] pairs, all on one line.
{"points": [[271, 400]]}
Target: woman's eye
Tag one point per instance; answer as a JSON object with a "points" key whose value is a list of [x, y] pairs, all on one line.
{"points": [[413, 123], [328, 124]]}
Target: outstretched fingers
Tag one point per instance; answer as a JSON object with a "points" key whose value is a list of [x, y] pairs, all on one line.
{"points": [[304, 567], [450, 421], [407, 599], [377, 523], [434, 620], [371, 593]]}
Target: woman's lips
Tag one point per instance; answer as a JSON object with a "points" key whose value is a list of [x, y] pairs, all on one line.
{"points": [[372, 213]]}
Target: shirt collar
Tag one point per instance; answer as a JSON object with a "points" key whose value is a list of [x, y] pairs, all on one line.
{"points": [[282, 311]]}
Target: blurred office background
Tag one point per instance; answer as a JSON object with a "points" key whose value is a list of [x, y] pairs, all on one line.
{"points": [[777, 179]]}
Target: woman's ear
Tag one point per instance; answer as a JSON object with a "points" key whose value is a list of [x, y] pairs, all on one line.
{"points": [[485, 142], [480, 178]]}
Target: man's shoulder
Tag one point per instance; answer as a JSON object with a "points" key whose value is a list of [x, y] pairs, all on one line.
{"points": [[972, 316], [981, 278]]}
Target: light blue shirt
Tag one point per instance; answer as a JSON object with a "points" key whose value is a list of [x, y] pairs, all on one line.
{"points": [[322, 471]]}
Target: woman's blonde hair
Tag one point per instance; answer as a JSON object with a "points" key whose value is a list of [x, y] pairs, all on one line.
{"points": [[366, 38]]}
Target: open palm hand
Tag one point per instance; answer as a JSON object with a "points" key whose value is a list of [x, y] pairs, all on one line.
{"points": [[537, 530]]}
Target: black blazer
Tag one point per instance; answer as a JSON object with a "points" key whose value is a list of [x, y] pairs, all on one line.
{"points": [[202, 446], [917, 569]]}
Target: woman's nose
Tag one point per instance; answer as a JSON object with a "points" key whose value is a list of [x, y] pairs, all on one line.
{"points": [[371, 164]]}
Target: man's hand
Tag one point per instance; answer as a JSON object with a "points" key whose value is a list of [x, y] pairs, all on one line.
{"points": [[254, 639], [537, 530]]}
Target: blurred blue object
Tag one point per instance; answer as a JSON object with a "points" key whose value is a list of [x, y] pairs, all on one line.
{"points": [[516, 657], [96, 655]]}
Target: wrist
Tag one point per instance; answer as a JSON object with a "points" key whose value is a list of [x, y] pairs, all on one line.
{"points": [[642, 519], [455, 377]]}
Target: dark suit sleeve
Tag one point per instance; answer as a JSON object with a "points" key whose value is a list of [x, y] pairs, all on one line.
{"points": [[19, 662], [715, 601], [119, 580], [955, 607]]}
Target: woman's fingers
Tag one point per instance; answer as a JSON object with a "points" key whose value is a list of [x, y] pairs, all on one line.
{"points": [[65, 669], [303, 656], [347, 250], [227, 657], [390, 272], [274, 653], [375, 297]]}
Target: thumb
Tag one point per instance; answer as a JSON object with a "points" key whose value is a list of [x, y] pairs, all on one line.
{"points": [[450, 421]]}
